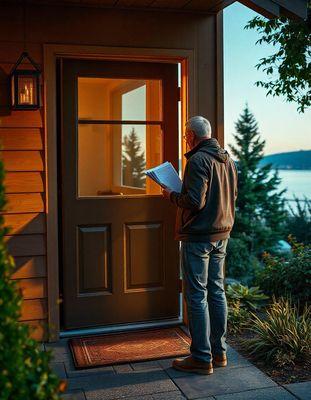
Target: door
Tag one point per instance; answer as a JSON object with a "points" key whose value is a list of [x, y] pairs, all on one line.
{"points": [[119, 259]]}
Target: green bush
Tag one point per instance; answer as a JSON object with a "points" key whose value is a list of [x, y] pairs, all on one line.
{"points": [[284, 276], [25, 373], [240, 263], [250, 298], [298, 222], [284, 337], [238, 317]]}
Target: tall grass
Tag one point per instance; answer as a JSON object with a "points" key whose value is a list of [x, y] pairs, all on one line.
{"points": [[284, 336]]}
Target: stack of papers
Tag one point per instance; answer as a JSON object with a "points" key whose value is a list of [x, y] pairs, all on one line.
{"points": [[166, 176]]}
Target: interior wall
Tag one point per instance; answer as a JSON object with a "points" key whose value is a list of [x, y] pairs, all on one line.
{"points": [[22, 133], [94, 140]]}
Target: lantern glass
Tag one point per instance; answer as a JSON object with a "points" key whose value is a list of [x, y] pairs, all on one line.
{"points": [[27, 90]]}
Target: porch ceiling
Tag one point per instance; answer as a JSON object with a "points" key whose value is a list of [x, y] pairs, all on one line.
{"points": [[269, 8]]}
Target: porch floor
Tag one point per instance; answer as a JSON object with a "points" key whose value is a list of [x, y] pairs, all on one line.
{"points": [[156, 380]]}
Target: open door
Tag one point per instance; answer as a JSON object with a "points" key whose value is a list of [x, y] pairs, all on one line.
{"points": [[120, 263]]}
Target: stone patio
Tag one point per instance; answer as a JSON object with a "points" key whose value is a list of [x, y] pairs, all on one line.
{"points": [[156, 380]]}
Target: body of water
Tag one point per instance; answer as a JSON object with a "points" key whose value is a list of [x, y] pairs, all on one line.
{"points": [[297, 183]]}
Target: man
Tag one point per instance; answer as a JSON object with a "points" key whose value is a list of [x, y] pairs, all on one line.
{"points": [[205, 216]]}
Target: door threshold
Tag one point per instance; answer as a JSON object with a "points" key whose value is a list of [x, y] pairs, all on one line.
{"points": [[119, 328]]}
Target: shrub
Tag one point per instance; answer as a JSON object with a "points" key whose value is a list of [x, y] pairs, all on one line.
{"points": [[288, 276], [298, 222], [250, 298], [284, 336], [240, 263], [238, 317], [25, 373]]}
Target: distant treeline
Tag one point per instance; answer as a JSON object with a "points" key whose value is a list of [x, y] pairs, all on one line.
{"points": [[291, 160]]}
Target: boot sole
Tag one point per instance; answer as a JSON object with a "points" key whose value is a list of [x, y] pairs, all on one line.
{"points": [[220, 364], [195, 370]]}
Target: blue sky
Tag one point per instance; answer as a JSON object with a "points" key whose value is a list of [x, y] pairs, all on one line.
{"points": [[283, 128]]}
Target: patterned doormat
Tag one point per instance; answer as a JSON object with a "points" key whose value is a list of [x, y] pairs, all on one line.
{"points": [[119, 348]]}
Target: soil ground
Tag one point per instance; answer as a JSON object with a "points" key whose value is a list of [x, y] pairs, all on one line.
{"points": [[282, 375]]}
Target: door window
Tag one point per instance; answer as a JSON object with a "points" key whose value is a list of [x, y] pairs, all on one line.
{"points": [[119, 135]]}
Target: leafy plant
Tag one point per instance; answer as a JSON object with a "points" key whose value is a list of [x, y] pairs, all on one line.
{"points": [[283, 276], [298, 222], [289, 67], [241, 268], [284, 336], [238, 317], [25, 373], [250, 298]]}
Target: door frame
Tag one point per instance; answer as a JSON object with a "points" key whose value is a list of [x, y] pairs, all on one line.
{"points": [[189, 101]]}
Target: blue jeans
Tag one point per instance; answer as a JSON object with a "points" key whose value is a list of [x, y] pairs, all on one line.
{"points": [[203, 274]]}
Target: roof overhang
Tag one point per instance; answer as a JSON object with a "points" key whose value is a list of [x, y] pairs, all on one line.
{"points": [[296, 9], [270, 8]]}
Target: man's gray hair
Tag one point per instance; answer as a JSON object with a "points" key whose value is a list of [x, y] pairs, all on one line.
{"points": [[200, 126]]}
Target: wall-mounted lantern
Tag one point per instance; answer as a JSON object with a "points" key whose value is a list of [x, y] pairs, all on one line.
{"points": [[25, 85]]}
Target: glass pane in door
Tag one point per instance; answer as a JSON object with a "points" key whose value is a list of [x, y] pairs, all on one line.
{"points": [[119, 99], [119, 135], [112, 159]]}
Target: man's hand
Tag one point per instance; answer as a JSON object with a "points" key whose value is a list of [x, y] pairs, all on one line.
{"points": [[166, 193]]}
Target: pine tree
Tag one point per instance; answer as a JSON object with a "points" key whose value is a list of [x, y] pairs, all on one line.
{"points": [[25, 373], [133, 161], [260, 212]]}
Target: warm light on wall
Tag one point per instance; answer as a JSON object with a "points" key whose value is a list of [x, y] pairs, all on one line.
{"points": [[25, 85]]}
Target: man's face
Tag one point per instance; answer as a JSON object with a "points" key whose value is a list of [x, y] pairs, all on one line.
{"points": [[189, 136]]}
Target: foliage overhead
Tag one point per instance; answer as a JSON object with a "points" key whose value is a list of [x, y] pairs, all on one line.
{"points": [[288, 69]]}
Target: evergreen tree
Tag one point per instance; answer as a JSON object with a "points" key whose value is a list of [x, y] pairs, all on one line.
{"points": [[25, 373], [260, 212], [133, 161]]}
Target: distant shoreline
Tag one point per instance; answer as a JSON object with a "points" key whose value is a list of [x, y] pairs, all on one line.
{"points": [[289, 161], [291, 169]]}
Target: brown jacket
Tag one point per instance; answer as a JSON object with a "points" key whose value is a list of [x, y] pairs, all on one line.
{"points": [[206, 204]]}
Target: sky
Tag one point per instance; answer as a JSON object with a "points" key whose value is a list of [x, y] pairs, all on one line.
{"points": [[134, 108], [280, 124]]}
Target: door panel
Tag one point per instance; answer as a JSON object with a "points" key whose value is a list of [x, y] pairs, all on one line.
{"points": [[120, 261], [142, 272], [94, 247]]}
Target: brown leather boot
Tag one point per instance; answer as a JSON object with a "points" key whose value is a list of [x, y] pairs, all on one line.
{"points": [[220, 360], [190, 364]]}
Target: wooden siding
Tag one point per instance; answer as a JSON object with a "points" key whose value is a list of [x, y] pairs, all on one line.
{"points": [[23, 182], [22, 151], [22, 160], [24, 202], [34, 267], [39, 329], [25, 223]]}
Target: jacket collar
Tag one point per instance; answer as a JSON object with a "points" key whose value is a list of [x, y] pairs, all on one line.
{"points": [[199, 146]]}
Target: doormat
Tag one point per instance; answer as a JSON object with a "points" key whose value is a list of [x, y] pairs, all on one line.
{"points": [[120, 348]]}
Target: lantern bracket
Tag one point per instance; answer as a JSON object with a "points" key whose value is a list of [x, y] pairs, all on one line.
{"points": [[21, 58]]}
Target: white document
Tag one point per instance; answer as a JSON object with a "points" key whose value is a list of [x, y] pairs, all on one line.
{"points": [[165, 175]]}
